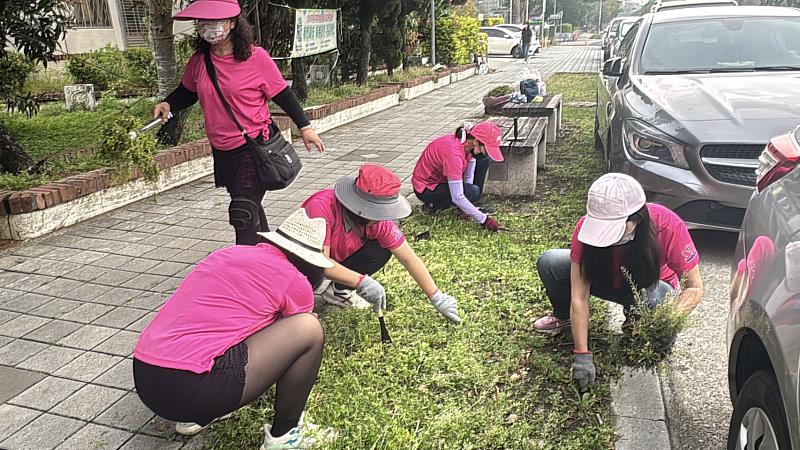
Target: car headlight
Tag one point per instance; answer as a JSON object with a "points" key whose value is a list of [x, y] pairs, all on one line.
{"points": [[648, 143]]}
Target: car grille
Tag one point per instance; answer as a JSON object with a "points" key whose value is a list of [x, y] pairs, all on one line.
{"points": [[742, 176], [711, 213]]}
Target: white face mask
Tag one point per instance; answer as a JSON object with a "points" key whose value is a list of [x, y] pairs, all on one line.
{"points": [[213, 31]]}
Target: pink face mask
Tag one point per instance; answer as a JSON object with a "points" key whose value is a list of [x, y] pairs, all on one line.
{"points": [[212, 31]]}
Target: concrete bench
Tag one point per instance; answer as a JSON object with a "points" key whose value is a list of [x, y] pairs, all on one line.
{"points": [[549, 107], [523, 155]]}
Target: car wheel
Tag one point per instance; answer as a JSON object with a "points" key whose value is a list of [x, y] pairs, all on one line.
{"points": [[759, 422], [515, 52]]}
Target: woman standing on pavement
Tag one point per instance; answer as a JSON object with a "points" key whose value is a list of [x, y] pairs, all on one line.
{"points": [[361, 236], [620, 233], [239, 323], [248, 79], [452, 171]]}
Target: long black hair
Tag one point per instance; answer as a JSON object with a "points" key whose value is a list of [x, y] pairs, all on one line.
{"points": [[241, 35], [460, 132], [641, 257], [314, 274]]}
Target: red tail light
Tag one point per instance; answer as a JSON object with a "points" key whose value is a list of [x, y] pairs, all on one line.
{"points": [[779, 158]]}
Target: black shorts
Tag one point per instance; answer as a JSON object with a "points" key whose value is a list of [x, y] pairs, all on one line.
{"points": [[185, 396]]}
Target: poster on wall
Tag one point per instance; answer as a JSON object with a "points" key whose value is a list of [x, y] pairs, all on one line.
{"points": [[314, 32]]}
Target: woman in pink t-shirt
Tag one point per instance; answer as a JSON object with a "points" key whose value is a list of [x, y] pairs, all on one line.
{"points": [[248, 79], [239, 323], [361, 236], [452, 170], [620, 233]]}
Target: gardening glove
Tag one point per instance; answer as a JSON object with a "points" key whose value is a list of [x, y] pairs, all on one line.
{"points": [[491, 225], [446, 305], [583, 371], [373, 292]]}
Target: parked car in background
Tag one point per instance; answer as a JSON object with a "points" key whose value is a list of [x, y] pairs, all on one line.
{"points": [[691, 98], [624, 26], [517, 29], [764, 319], [502, 41], [612, 33], [677, 4]]}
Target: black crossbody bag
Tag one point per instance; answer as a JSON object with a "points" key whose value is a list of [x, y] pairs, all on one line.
{"points": [[277, 163]]}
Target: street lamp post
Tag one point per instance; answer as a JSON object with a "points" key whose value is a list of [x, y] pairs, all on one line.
{"points": [[510, 11], [600, 18], [544, 17], [433, 33]]}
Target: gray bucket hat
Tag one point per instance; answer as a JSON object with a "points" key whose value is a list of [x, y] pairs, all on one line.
{"points": [[374, 194]]}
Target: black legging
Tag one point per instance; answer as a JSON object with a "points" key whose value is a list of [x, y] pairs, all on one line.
{"points": [[367, 260], [245, 212], [288, 354]]}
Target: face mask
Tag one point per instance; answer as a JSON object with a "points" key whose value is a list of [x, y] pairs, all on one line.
{"points": [[479, 155], [212, 31], [626, 238]]}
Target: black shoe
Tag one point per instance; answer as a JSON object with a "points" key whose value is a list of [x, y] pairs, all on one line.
{"points": [[427, 208]]}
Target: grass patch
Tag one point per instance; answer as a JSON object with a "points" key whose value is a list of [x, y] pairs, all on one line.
{"points": [[56, 131], [489, 383], [321, 95], [45, 81], [400, 76]]}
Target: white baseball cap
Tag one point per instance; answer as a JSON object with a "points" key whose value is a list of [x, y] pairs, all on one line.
{"points": [[612, 199]]}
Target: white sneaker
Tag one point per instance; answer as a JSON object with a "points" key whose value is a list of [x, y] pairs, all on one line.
{"points": [[303, 436], [191, 428]]}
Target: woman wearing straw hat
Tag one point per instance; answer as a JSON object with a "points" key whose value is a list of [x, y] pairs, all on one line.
{"points": [[452, 170], [361, 236], [620, 233], [239, 323], [248, 79]]}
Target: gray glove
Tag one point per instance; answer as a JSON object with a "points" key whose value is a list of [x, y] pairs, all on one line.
{"points": [[373, 292], [446, 305], [583, 371]]}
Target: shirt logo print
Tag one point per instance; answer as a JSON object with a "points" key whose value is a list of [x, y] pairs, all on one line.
{"points": [[689, 253]]}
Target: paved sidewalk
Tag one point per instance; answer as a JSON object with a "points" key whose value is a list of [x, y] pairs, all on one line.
{"points": [[72, 303]]}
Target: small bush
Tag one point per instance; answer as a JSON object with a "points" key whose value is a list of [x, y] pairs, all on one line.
{"points": [[566, 28], [492, 21], [14, 70], [457, 38], [111, 68], [125, 153]]}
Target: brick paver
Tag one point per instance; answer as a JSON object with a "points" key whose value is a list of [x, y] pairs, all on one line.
{"points": [[72, 303]]}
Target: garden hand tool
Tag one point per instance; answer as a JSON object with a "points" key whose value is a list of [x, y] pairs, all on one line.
{"points": [[153, 123], [385, 338], [583, 371], [372, 291], [446, 305]]}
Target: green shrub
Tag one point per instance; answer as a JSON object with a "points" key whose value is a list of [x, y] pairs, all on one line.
{"points": [[14, 70], [125, 152], [111, 68], [457, 38], [566, 28], [492, 21], [46, 81], [500, 91]]}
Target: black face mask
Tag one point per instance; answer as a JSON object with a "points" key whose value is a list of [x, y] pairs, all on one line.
{"points": [[478, 155], [315, 275]]}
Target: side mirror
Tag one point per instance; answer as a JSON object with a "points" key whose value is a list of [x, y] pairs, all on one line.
{"points": [[612, 67]]}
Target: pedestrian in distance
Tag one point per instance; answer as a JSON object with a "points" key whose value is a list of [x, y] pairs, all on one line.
{"points": [[248, 79], [452, 171], [239, 323], [527, 36], [361, 236], [620, 233]]}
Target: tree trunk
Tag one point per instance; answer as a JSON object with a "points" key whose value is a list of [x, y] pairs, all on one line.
{"points": [[366, 48], [299, 85], [13, 158], [160, 13]]}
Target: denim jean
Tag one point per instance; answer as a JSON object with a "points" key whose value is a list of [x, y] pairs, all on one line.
{"points": [[525, 48], [554, 268], [439, 198]]}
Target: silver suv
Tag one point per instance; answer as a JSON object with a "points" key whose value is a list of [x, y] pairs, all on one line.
{"points": [[764, 321], [690, 100]]}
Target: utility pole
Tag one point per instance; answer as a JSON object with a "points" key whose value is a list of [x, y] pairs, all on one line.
{"points": [[433, 33], [544, 17], [527, 12], [600, 18], [510, 11]]}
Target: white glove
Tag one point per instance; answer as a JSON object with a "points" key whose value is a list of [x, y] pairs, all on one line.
{"points": [[446, 305], [373, 292]]}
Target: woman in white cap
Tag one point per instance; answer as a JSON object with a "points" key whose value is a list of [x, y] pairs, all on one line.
{"points": [[239, 323], [452, 170], [620, 233], [361, 236], [248, 79]]}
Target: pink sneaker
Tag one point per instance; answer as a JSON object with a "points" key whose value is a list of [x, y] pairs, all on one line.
{"points": [[550, 324]]}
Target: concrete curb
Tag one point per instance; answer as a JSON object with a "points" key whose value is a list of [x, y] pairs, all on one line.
{"points": [[639, 407]]}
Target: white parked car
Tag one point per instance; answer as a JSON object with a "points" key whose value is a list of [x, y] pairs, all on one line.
{"points": [[502, 41], [679, 4]]}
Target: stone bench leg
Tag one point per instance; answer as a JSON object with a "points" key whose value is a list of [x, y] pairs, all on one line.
{"points": [[516, 175], [541, 149], [552, 126], [560, 107]]}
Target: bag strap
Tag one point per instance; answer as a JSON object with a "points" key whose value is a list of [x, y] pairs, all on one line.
{"points": [[212, 73]]}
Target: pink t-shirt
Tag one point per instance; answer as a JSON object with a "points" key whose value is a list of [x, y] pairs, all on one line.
{"points": [[344, 243], [678, 253], [230, 295], [247, 86], [442, 160]]}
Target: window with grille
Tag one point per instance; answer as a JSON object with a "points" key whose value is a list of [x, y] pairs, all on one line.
{"points": [[91, 14]]}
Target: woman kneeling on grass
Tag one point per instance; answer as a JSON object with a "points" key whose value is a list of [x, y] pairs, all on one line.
{"points": [[361, 236], [239, 323], [452, 170], [621, 232]]}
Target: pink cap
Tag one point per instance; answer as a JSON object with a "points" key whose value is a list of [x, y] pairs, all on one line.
{"points": [[612, 199], [373, 195], [209, 10], [489, 134], [377, 181]]}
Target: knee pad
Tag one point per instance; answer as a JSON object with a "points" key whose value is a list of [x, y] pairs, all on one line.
{"points": [[243, 214]]}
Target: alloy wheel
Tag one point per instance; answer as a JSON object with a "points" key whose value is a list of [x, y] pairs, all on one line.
{"points": [[756, 432]]}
